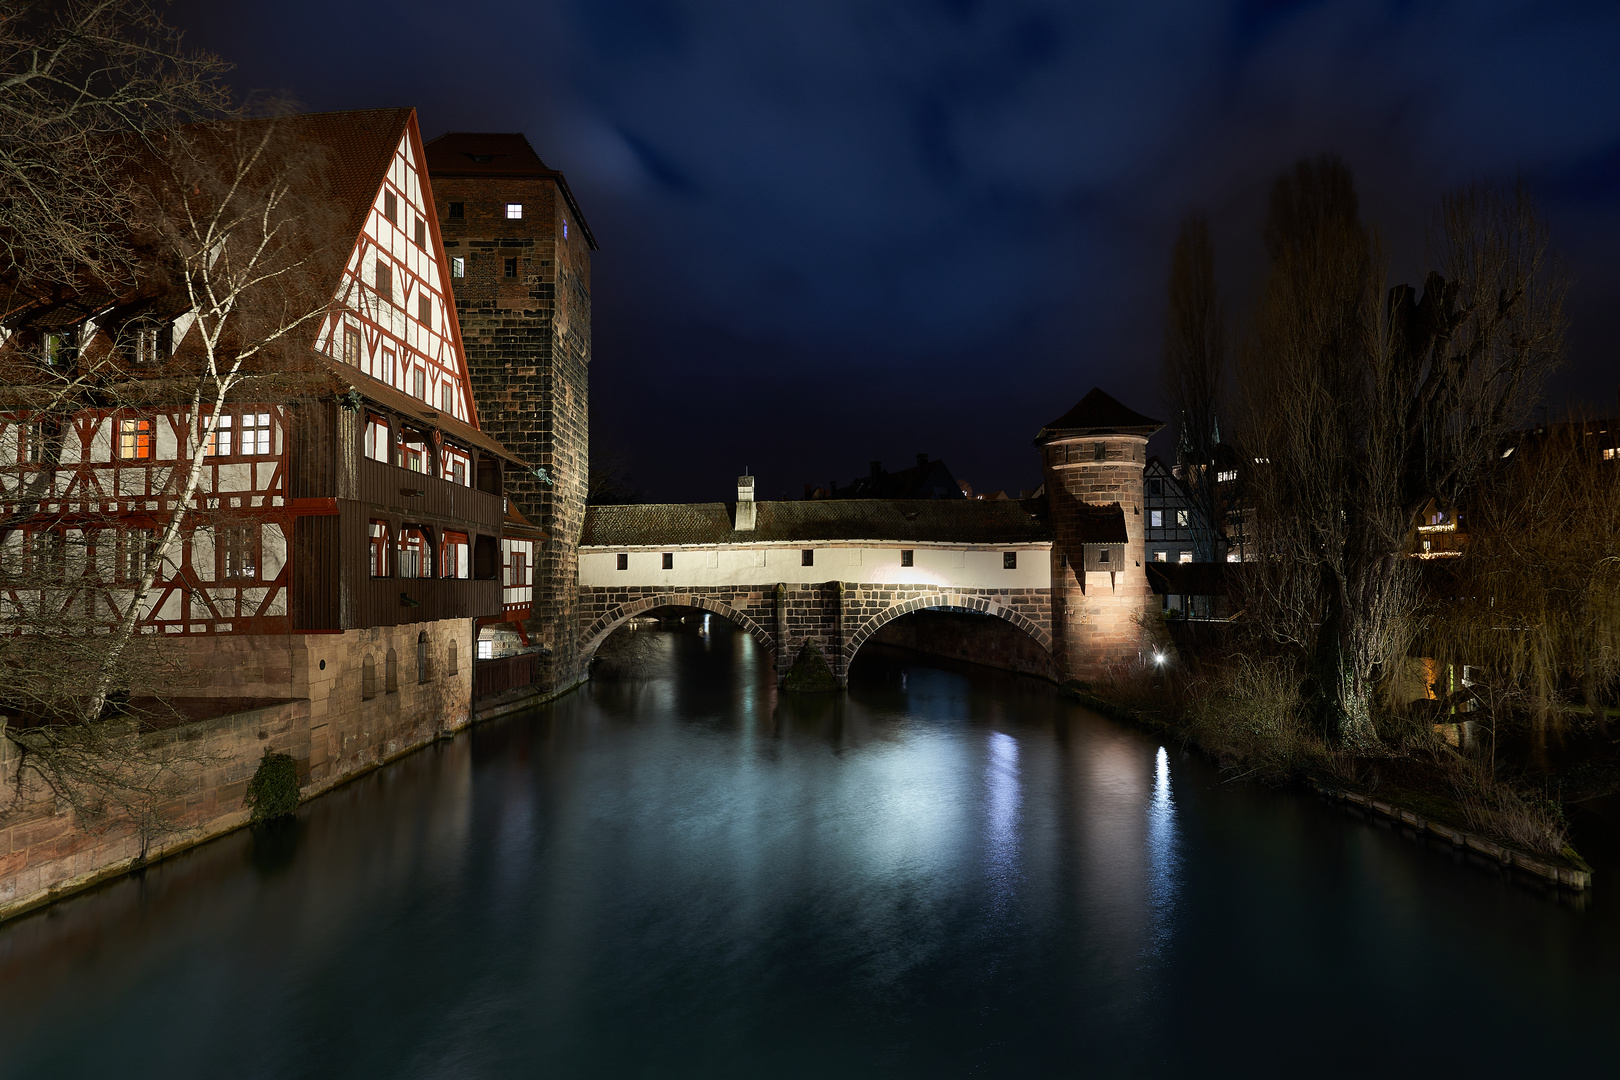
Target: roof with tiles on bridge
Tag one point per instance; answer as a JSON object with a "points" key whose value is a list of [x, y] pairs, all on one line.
{"points": [[923, 521]]}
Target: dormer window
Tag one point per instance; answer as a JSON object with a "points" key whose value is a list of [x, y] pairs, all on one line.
{"points": [[60, 347], [144, 342]]}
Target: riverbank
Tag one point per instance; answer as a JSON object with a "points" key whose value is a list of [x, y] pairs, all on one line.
{"points": [[1417, 790]]}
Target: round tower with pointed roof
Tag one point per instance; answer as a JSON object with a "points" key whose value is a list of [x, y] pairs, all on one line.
{"points": [[1092, 459]]}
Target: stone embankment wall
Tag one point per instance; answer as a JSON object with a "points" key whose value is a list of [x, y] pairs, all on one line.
{"points": [[323, 710]]}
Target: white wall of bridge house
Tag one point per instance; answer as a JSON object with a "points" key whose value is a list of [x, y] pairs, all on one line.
{"points": [[965, 566]]}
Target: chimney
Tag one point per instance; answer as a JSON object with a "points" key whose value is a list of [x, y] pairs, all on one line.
{"points": [[745, 504], [922, 460]]}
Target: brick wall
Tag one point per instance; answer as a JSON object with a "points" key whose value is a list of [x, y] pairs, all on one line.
{"points": [[528, 345]]}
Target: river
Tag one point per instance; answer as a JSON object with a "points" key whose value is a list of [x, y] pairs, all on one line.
{"points": [[676, 871]]}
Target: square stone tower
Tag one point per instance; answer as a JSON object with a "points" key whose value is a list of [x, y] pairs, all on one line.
{"points": [[1092, 459], [519, 253]]}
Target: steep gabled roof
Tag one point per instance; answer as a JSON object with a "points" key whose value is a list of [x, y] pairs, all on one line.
{"points": [[498, 153], [1098, 413]]}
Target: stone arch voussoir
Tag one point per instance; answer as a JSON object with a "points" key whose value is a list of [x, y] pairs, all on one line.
{"points": [[617, 616], [987, 605]]}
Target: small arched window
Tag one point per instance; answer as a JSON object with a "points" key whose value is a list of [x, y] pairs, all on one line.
{"points": [[368, 678], [424, 670], [392, 673], [453, 668]]}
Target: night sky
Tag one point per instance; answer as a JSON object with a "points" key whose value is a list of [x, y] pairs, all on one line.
{"points": [[834, 232]]}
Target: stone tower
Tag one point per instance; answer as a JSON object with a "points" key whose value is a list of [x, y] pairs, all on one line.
{"points": [[519, 252], [1092, 459]]}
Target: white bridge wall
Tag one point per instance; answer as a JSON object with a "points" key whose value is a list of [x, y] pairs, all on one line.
{"points": [[961, 565]]}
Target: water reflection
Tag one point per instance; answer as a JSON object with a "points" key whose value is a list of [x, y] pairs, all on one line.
{"points": [[1002, 816], [1163, 858]]}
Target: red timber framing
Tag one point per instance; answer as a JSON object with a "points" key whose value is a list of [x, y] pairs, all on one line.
{"points": [[277, 539]]}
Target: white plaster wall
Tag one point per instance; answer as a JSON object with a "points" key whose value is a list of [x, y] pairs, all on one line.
{"points": [[967, 566]]}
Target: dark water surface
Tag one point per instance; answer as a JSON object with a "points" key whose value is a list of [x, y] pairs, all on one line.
{"points": [[945, 873]]}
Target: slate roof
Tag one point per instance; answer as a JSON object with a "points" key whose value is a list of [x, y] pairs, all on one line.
{"points": [[462, 153], [1098, 413], [957, 521]]}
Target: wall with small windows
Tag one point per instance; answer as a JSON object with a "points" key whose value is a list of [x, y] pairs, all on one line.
{"points": [[971, 566]]}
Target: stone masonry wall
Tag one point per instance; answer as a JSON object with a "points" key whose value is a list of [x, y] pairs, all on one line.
{"points": [[1097, 622], [319, 716], [839, 617], [528, 345]]}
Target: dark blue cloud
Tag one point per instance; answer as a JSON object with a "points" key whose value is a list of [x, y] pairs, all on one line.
{"points": [[852, 229]]}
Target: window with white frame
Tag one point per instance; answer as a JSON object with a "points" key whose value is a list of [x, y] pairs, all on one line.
{"points": [[514, 211]]}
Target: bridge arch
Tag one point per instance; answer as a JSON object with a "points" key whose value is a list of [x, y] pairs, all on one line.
{"points": [[980, 603], [617, 616]]}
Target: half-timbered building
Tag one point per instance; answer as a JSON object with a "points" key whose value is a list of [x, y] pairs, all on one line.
{"points": [[347, 531]]}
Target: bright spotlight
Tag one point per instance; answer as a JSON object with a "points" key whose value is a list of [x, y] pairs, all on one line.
{"points": [[1158, 658]]}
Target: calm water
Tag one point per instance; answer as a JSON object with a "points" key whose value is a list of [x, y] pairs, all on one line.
{"points": [[675, 872]]}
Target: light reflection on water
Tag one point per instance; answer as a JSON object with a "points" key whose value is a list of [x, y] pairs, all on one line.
{"points": [[680, 871]]}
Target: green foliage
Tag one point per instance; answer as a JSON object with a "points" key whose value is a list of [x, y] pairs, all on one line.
{"points": [[810, 672], [273, 791]]}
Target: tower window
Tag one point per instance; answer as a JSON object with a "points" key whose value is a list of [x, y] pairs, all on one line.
{"points": [[1099, 451], [1102, 556], [458, 266], [1009, 560], [458, 210], [906, 556], [511, 268], [514, 211]]}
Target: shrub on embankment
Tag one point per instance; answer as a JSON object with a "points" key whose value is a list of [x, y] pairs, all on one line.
{"points": [[273, 791]]}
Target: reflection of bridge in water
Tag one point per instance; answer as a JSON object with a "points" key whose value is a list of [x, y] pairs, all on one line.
{"points": [[831, 573]]}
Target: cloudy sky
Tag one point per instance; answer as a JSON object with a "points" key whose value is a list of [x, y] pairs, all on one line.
{"points": [[835, 232]]}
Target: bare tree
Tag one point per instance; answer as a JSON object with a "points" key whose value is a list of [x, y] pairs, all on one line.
{"points": [[82, 82], [1358, 411], [1194, 373]]}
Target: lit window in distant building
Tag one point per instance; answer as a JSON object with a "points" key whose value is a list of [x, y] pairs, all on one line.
{"points": [[134, 439], [458, 268], [1181, 519], [1161, 556], [486, 650], [1156, 518], [514, 211], [565, 228], [1186, 556], [1226, 476]]}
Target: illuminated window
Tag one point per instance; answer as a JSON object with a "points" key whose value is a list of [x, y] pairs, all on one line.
{"points": [[134, 439], [377, 438], [238, 546], [458, 266], [807, 557], [1161, 556], [1186, 556], [1009, 560], [1156, 517], [1226, 476], [486, 650], [421, 234], [219, 442], [391, 207], [907, 556], [458, 210], [669, 560], [455, 559], [351, 346], [514, 211], [415, 555], [624, 560], [424, 311], [1610, 453], [379, 548], [1181, 519], [384, 279]]}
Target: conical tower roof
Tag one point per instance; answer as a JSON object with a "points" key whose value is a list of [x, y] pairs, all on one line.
{"points": [[1098, 413]]}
